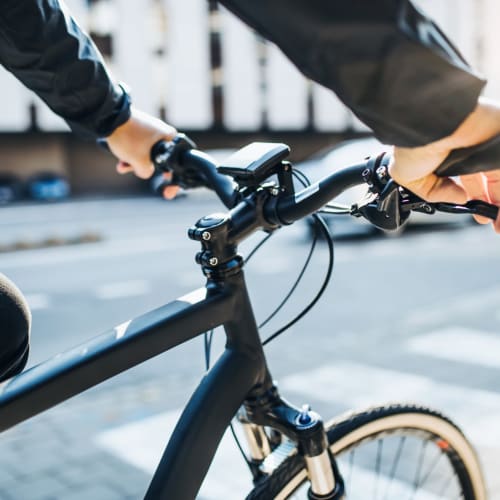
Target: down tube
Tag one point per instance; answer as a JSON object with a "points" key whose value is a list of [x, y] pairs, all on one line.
{"points": [[241, 368], [103, 357], [201, 427]]}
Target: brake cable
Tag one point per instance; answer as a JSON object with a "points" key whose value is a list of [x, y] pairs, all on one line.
{"points": [[319, 226]]}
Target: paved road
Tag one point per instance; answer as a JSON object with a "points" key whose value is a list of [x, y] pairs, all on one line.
{"points": [[414, 318]]}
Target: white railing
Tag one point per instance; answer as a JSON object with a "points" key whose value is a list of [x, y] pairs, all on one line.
{"points": [[161, 48]]}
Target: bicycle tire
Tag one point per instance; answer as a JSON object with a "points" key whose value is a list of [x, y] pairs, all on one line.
{"points": [[367, 428]]}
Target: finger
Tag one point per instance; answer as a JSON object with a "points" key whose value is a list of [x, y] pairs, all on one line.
{"points": [[475, 186], [123, 168], [493, 187], [144, 171], [438, 189], [170, 192]]}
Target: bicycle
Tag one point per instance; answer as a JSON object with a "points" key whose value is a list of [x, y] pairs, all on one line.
{"points": [[292, 453]]}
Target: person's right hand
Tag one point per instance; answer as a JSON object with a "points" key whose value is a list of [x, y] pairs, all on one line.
{"points": [[414, 168], [131, 143]]}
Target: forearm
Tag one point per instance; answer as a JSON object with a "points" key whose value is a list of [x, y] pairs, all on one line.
{"points": [[385, 60], [44, 47]]}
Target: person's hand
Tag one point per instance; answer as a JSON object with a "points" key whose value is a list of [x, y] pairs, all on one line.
{"points": [[131, 143], [414, 168]]}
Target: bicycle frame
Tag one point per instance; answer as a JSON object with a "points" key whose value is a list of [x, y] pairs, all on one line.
{"points": [[213, 404], [240, 376]]}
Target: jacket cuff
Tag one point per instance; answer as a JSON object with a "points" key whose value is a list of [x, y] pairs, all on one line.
{"points": [[115, 112], [120, 115]]}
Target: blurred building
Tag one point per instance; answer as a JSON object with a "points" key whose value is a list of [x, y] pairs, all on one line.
{"points": [[197, 66]]}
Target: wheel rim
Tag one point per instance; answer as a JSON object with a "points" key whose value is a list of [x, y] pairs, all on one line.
{"points": [[394, 458]]}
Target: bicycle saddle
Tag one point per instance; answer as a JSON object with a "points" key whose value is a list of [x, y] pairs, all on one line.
{"points": [[15, 324]]}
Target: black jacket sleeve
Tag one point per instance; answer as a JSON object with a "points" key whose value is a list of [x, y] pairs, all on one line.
{"points": [[384, 59], [44, 47]]}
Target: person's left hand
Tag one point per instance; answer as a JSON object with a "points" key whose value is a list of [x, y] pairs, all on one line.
{"points": [[131, 143]]}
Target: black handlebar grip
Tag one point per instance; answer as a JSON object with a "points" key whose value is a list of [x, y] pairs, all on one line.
{"points": [[160, 153], [479, 158]]}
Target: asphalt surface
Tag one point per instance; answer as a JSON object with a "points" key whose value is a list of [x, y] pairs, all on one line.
{"points": [[415, 317]]}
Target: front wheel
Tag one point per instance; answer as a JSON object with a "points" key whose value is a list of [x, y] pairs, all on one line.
{"points": [[397, 452]]}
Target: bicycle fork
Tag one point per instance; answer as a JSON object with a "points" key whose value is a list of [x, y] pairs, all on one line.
{"points": [[305, 430]]}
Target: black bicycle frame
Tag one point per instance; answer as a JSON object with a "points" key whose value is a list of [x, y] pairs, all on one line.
{"points": [[221, 392], [239, 376]]}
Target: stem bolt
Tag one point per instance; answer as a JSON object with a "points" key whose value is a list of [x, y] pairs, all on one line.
{"points": [[304, 418], [213, 261], [206, 235]]}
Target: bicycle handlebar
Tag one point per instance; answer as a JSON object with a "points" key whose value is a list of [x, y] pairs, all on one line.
{"points": [[315, 196], [193, 168]]}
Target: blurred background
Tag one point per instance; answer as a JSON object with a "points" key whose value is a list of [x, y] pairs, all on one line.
{"points": [[413, 317], [195, 65]]}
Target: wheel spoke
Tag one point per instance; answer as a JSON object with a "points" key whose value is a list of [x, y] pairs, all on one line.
{"points": [[396, 461], [447, 484], [378, 464], [431, 469], [395, 464], [352, 452], [419, 468]]}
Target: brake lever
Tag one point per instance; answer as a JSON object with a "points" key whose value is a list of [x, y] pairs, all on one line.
{"points": [[411, 202], [393, 203], [473, 207]]}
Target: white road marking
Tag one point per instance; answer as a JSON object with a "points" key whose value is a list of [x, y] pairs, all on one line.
{"points": [[112, 291], [468, 304], [273, 264], [142, 443], [354, 385], [38, 301], [357, 385], [459, 344]]}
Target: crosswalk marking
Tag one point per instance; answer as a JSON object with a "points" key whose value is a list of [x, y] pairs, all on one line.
{"points": [[142, 443], [123, 289], [357, 385], [38, 301], [459, 344], [351, 384], [468, 304]]}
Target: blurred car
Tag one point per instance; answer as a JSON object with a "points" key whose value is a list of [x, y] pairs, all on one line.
{"points": [[48, 186], [349, 153], [11, 188]]}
